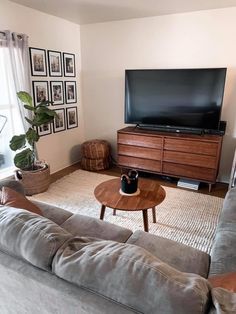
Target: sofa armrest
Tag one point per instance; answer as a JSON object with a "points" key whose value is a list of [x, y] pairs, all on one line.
{"points": [[13, 184]]}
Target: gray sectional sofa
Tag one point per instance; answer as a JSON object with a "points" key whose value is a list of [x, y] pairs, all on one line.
{"points": [[73, 264]]}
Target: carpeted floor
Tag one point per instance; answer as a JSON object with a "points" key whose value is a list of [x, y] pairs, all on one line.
{"points": [[184, 216]]}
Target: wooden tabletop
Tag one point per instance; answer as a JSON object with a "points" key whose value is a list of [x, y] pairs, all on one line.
{"points": [[151, 194]]}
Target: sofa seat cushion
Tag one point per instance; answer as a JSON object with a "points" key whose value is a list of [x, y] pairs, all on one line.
{"points": [[80, 225], [182, 257], [130, 275], [30, 236], [12, 198]]}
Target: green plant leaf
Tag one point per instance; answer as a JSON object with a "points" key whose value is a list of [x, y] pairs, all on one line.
{"points": [[17, 142], [32, 136], [25, 98], [42, 118], [24, 159], [29, 121], [29, 108]]}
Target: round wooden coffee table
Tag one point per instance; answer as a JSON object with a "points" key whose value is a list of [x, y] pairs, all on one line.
{"points": [[151, 195]]}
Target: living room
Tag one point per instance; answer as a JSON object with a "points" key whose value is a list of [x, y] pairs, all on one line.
{"points": [[201, 37], [187, 40]]}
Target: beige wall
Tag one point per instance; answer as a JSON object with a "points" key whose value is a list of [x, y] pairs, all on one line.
{"points": [[190, 40], [52, 33]]}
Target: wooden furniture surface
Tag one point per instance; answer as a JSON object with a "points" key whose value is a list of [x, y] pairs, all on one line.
{"points": [[151, 194], [179, 155]]}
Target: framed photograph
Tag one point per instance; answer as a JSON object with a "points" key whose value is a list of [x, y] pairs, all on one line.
{"points": [[54, 63], [57, 93], [44, 129], [71, 117], [59, 123], [69, 64], [70, 92], [38, 62], [40, 91]]}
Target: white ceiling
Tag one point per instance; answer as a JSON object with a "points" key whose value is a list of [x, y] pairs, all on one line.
{"points": [[95, 11]]}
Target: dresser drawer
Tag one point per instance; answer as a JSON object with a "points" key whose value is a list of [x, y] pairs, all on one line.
{"points": [[136, 151], [190, 159], [198, 173], [139, 163], [140, 140], [193, 146]]}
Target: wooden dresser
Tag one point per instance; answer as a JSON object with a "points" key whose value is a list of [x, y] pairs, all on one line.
{"points": [[178, 155]]}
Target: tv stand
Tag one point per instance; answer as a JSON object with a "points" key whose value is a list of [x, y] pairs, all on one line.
{"points": [[186, 156]]}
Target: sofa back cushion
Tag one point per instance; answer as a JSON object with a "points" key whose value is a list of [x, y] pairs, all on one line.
{"points": [[131, 276], [30, 236]]}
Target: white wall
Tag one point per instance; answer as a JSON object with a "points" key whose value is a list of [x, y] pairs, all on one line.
{"points": [[48, 32], [190, 40]]}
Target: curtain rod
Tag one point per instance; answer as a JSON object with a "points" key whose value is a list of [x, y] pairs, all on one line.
{"points": [[20, 36]]}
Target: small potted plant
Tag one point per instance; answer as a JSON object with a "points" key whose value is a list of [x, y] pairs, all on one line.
{"points": [[34, 174]]}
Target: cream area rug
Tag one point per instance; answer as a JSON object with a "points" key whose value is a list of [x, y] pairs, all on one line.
{"points": [[184, 216]]}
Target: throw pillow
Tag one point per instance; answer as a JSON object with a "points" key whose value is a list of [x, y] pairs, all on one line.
{"points": [[226, 281], [12, 198]]}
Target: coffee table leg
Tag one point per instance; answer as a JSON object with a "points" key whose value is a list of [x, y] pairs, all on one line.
{"points": [[102, 212], [114, 212], [154, 218], [145, 220]]}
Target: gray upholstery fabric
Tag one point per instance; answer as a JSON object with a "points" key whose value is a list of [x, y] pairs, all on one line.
{"points": [[12, 184], [131, 276], [54, 213], [30, 236], [224, 301], [25, 289], [80, 225], [223, 254], [180, 256]]}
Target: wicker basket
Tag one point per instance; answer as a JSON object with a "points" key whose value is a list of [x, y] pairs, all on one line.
{"points": [[95, 149], [36, 181]]}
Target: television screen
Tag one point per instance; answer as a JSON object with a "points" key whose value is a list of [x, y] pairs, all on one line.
{"points": [[181, 98]]}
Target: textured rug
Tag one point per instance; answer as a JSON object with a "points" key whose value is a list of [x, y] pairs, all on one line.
{"points": [[184, 216]]}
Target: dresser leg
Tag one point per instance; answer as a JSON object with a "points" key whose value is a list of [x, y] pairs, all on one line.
{"points": [[210, 186]]}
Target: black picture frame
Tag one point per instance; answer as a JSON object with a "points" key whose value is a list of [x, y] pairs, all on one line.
{"points": [[57, 92], [45, 129], [70, 92], [38, 61], [54, 63], [59, 122], [40, 91], [69, 64], [72, 117]]}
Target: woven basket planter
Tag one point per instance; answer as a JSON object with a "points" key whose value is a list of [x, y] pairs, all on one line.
{"points": [[95, 149], [35, 181], [95, 164]]}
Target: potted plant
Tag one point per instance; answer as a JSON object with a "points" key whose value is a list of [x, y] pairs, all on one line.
{"points": [[35, 175]]}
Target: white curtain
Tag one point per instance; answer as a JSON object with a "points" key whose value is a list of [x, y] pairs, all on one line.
{"points": [[15, 68], [14, 77]]}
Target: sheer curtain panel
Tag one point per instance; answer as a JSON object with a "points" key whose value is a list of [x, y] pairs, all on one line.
{"points": [[14, 77]]}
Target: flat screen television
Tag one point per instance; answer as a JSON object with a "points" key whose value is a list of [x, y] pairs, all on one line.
{"points": [[178, 99]]}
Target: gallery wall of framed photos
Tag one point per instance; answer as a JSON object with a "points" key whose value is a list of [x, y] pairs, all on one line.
{"points": [[53, 76]]}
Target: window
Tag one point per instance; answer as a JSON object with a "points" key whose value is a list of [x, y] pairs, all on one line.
{"points": [[10, 118]]}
